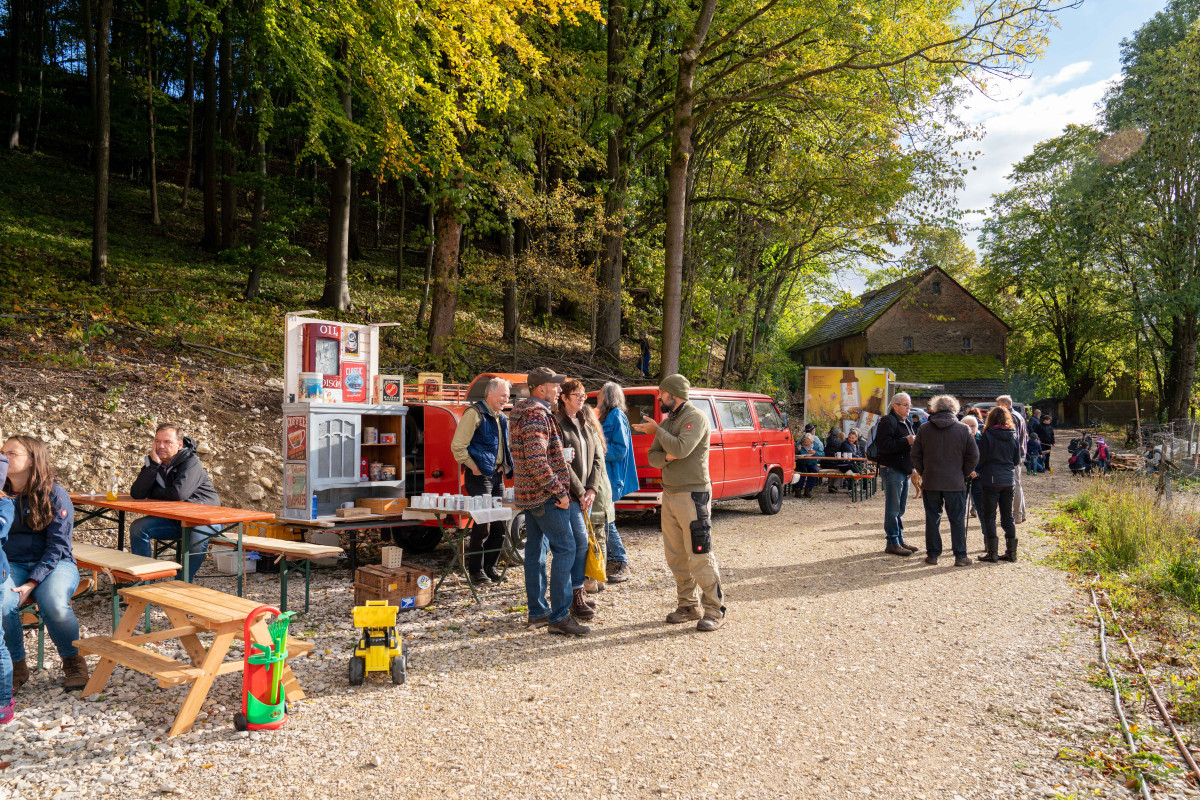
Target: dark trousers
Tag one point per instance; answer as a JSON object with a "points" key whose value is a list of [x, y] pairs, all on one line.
{"points": [[487, 537], [1001, 497], [955, 504]]}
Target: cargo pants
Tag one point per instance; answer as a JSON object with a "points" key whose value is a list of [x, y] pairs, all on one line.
{"points": [[687, 521]]}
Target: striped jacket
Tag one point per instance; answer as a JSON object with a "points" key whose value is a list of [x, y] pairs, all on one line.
{"points": [[541, 472]]}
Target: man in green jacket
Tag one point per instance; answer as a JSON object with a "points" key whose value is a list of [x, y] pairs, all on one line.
{"points": [[680, 450]]}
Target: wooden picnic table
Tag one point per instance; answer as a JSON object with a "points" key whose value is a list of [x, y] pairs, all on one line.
{"points": [[189, 515], [123, 569], [191, 610]]}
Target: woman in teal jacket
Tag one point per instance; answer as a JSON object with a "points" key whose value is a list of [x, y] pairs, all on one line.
{"points": [[621, 470]]}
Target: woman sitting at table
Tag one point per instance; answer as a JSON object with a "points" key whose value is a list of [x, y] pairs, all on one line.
{"points": [[806, 462], [39, 558], [847, 447]]}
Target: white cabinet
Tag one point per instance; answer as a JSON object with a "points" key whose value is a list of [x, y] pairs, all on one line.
{"points": [[334, 449]]}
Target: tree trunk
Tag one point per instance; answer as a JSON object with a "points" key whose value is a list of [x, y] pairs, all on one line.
{"points": [[378, 213], [212, 226], [1182, 368], [608, 313], [337, 255], [101, 139], [189, 94], [682, 125], [39, 20], [445, 279], [512, 318], [89, 52], [355, 246], [432, 226], [155, 219], [16, 39], [229, 234], [254, 282], [400, 235]]}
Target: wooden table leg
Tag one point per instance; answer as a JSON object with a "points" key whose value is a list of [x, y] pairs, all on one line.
{"points": [[195, 696], [191, 642], [103, 670], [291, 687]]}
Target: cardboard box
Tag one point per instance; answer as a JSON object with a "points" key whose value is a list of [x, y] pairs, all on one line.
{"points": [[383, 505], [407, 587]]}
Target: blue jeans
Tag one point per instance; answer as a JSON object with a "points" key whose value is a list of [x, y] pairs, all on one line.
{"points": [[955, 504], [147, 528], [616, 548], [895, 498], [7, 598], [644, 365], [549, 525], [579, 529], [53, 597]]}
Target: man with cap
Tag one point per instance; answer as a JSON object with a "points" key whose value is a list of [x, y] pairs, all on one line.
{"points": [[680, 450], [542, 490]]}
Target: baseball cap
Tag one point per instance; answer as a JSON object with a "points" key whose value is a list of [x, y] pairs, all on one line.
{"points": [[540, 375]]}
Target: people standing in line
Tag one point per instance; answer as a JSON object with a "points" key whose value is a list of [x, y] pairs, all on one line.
{"points": [[644, 356], [40, 564], [542, 489], [1102, 455], [172, 472], [944, 454], [974, 487], [806, 453], [480, 446], [7, 597], [894, 439], [1022, 433], [621, 468], [583, 446], [999, 463], [680, 450]]}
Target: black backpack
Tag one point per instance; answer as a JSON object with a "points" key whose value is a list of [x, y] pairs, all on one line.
{"points": [[1074, 446]]}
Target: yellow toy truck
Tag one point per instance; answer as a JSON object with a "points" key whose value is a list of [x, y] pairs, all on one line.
{"points": [[380, 648]]}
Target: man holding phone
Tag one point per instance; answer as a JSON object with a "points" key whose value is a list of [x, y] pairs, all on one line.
{"points": [[680, 450]]}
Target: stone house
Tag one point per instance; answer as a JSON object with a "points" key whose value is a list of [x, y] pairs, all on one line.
{"points": [[925, 327]]}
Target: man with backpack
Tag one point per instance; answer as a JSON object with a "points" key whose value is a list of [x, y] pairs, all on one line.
{"points": [[892, 444]]}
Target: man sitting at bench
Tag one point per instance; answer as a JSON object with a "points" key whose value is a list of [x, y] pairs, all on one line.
{"points": [[172, 472]]}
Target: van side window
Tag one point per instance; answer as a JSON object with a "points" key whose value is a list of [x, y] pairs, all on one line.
{"points": [[769, 417], [706, 407], [735, 414]]}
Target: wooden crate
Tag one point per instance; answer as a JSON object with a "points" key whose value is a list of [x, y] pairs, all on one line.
{"points": [[407, 587], [274, 530], [383, 505]]}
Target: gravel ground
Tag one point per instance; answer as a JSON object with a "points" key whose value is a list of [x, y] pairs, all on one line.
{"points": [[843, 672]]}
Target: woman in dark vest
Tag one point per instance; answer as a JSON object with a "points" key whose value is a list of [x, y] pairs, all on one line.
{"points": [[480, 445], [999, 460]]}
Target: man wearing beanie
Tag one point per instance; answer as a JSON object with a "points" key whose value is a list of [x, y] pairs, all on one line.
{"points": [[680, 450]]}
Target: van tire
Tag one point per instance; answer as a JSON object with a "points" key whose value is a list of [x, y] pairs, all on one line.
{"points": [[417, 539], [514, 541], [770, 499]]}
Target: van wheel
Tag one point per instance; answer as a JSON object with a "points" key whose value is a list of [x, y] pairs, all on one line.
{"points": [[770, 500], [514, 541]]}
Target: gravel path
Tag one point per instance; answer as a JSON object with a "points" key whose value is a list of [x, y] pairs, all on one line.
{"points": [[843, 672]]}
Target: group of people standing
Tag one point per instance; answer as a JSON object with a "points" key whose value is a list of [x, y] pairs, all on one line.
{"points": [[950, 459], [569, 464]]}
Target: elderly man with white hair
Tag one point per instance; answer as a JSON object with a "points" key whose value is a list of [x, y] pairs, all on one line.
{"points": [[945, 455], [893, 440], [480, 445]]}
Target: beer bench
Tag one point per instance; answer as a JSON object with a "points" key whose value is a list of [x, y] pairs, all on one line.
{"points": [[863, 485], [123, 570], [290, 556]]}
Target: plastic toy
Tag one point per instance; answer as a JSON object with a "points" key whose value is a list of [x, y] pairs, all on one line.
{"points": [[264, 706], [380, 648]]}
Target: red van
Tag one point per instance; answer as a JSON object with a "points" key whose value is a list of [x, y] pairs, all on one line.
{"points": [[751, 451]]}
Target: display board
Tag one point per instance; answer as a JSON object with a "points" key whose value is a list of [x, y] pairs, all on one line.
{"points": [[846, 397]]}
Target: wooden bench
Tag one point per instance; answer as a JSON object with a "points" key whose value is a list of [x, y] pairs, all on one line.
{"points": [[289, 555], [862, 486], [123, 569]]}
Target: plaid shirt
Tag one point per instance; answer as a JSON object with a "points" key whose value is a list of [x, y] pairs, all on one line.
{"points": [[541, 472]]}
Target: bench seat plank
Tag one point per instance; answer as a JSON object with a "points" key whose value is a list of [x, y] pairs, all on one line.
{"points": [[265, 544], [90, 556], [167, 671]]}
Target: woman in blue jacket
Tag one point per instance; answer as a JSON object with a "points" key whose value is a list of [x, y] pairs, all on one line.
{"points": [[39, 558], [620, 467], [999, 461]]}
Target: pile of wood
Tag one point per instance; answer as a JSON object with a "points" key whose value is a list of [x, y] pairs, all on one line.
{"points": [[1124, 461]]}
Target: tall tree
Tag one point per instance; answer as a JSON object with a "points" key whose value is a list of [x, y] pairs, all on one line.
{"points": [[101, 143], [211, 240], [229, 231]]}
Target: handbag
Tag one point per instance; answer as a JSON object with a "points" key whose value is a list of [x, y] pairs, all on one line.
{"points": [[594, 566]]}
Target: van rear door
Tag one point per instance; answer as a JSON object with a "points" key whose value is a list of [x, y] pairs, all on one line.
{"points": [[743, 463]]}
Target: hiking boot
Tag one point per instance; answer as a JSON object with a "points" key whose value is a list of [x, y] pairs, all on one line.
{"points": [[479, 579], [580, 607], [992, 545], [712, 621], [931, 560], [76, 670], [20, 674], [909, 547], [592, 587], [1010, 554], [684, 614], [807, 492], [618, 572], [567, 626], [962, 562], [537, 622], [898, 550], [494, 575]]}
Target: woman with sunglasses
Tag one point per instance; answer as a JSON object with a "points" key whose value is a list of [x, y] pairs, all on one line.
{"points": [[583, 445]]}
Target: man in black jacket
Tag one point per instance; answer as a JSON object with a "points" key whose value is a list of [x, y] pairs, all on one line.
{"points": [[172, 472], [894, 440]]}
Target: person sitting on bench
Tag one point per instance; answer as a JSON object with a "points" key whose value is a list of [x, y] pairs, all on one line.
{"points": [[172, 472]]}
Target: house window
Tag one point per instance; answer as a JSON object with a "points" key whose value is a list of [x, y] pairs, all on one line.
{"points": [[908, 344], [966, 343], [936, 287]]}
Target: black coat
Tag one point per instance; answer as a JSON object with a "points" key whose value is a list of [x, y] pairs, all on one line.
{"points": [[892, 443], [944, 453], [184, 478], [999, 457]]}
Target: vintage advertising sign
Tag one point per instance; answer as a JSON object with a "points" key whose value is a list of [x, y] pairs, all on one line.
{"points": [[389, 389], [323, 352], [352, 341], [845, 397], [296, 435], [354, 381], [295, 486]]}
